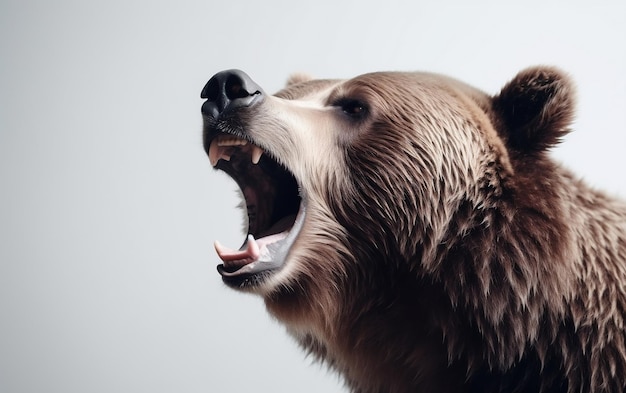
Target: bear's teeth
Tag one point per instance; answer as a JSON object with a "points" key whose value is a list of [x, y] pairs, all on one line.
{"points": [[256, 154], [231, 141], [224, 146], [216, 153]]}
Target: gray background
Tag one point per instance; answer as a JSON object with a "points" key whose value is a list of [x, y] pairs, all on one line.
{"points": [[109, 207]]}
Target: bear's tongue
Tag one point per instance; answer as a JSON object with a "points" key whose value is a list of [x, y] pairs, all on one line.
{"points": [[253, 250]]}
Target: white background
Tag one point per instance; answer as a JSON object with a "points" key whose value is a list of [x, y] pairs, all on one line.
{"points": [[109, 207]]}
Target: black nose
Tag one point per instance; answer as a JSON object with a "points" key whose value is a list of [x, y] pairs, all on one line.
{"points": [[229, 90]]}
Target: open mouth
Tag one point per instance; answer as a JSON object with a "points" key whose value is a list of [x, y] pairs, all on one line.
{"points": [[274, 207]]}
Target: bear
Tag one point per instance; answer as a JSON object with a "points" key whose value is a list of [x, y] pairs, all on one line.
{"points": [[414, 233]]}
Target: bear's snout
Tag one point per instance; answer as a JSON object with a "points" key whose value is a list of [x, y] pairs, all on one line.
{"points": [[229, 90]]}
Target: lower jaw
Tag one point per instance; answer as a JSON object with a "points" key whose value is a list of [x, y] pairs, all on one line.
{"points": [[246, 281], [270, 261]]}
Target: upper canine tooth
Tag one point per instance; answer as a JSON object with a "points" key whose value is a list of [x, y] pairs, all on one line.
{"points": [[216, 153], [256, 154]]}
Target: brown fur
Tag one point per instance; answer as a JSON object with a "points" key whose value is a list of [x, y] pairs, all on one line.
{"points": [[443, 249]]}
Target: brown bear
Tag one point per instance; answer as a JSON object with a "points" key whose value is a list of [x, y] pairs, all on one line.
{"points": [[414, 233]]}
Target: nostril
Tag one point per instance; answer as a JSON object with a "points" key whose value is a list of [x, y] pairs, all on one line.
{"points": [[234, 88]]}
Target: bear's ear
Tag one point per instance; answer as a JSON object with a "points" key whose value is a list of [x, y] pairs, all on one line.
{"points": [[296, 78], [536, 108]]}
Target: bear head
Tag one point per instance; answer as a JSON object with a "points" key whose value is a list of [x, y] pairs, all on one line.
{"points": [[396, 196]]}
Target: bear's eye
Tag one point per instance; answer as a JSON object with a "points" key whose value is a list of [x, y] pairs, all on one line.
{"points": [[353, 108]]}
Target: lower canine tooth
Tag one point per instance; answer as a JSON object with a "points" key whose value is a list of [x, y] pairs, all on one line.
{"points": [[256, 154]]}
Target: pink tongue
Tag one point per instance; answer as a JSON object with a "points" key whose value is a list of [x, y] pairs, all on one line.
{"points": [[238, 258], [254, 251]]}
